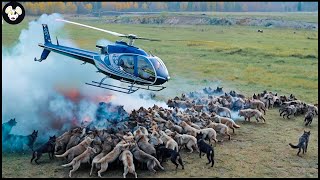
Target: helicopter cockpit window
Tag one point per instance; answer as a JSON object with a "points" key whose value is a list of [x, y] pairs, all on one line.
{"points": [[145, 69], [126, 63]]}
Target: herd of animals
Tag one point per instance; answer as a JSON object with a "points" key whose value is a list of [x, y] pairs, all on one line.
{"points": [[155, 134]]}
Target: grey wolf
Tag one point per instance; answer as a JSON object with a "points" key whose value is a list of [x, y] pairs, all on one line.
{"points": [[143, 157], [82, 158], [77, 150], [185, 140], [127, 159], [303, 143], [110, 157], [309, 117], [249, 113]]}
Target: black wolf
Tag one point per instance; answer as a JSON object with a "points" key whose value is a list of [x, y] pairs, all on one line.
{"points": [[206, 148], [16, 142], [303, 142], [164, 153], [48, 147]]}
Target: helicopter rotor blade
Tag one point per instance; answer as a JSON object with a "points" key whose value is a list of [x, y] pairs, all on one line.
{"points": [[110, 32], [142, 38]]}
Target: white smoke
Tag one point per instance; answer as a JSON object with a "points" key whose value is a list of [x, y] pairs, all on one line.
{"points": [[29, 87]]}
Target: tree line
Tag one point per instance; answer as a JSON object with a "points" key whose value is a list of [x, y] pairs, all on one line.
{"points": [[37, 8]]}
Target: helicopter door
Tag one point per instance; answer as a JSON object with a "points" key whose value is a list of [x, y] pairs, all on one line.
{"points": [[145, 69], [126, 63]]}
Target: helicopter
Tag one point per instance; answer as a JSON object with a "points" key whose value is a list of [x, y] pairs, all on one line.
{"points": [[120, 61]]}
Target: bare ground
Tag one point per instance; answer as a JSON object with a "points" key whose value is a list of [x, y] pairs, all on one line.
{"points": [[256, 150]]}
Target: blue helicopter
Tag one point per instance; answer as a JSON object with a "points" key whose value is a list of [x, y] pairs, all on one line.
{"points": [[120, 61]]}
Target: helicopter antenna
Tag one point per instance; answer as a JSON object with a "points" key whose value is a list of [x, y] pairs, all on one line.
{"points": [[131, 41]]}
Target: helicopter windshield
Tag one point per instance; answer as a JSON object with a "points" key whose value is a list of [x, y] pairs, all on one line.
{"points": [[145, 69], [160, 67]]}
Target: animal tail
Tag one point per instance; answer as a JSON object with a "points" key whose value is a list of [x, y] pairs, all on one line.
{"points": [[158, 163], [66, 165], [293, 146], [235, 125], [63, 155]]}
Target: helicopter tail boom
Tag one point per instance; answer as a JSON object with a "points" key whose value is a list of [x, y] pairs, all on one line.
{"points": [[48, 46]]}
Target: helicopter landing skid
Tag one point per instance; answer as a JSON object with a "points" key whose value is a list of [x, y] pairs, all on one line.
{"points": [[131, 89], [146, 87]]}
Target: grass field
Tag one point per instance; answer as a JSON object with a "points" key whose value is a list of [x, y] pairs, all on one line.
{"points": [[237, 57]]}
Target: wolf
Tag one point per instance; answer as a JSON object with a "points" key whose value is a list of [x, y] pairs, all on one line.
{"points": [[309, 117], [249, 113], [303, 142], [17, 141], [77, 150], [82, 158], [6, 128], [169, 141], [143, 157], [185, 140], [110, 157], [127, 159], [257, 104], [206, 148], [163, 153], [219, 127], [48, 147]]}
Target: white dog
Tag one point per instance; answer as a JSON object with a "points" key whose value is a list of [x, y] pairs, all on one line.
{"points": [[13, 14]]}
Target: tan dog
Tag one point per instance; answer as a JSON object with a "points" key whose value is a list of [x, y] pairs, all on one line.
{"points": [[248, 113], [127, 158], [169, 141], [219, 127], [185, 140], [110, 157], [224, 120], [82, 158], [173, 127], [76, 150]]}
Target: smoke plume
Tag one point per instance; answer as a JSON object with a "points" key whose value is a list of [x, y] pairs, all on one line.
{"points": [[51, 96]]}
